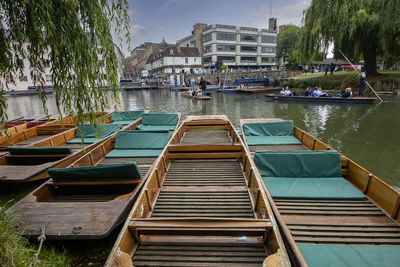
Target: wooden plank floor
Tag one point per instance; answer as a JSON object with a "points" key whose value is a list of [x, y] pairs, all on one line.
{"points": [[195, 254], [33, 139], [206, 137], [204, 188], [276, 148]]}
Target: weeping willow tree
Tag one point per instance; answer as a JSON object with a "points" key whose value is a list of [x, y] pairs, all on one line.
{"points": [[70, 34], [359, 28]]}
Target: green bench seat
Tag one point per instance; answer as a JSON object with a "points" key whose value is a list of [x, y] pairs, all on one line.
{"points": [[127, 170], [317, 255], [305, 175], [156, 127], [270, 133], [125, 117], [139, 144], [158, 122], [91, 135]]}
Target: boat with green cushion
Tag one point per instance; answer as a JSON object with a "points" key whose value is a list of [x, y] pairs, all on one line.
{"points": [[332, 211], [159, 121], [98, 189], [126, 117]]}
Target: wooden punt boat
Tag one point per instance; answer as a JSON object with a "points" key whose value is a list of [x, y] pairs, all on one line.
{"points": [[89, 202], [353, 100], [30, 159], [260, 89], [336, 230], [197, 97], [201, 205]]}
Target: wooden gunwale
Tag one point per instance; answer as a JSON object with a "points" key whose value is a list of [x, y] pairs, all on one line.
{"points": [[137, 227], [96, 218], [387, 209]]}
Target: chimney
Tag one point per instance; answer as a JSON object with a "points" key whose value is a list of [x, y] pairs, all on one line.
{"points": [[272, 24], [178, 46]]}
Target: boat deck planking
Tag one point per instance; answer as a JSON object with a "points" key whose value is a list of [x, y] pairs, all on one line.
{"points": [[374, 221], [199, 199]]}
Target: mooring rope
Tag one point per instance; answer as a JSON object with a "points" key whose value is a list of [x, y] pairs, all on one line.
{"points": [[41, 239]]}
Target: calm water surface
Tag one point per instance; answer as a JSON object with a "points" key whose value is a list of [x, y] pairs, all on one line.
{"points": [[368, 134]]}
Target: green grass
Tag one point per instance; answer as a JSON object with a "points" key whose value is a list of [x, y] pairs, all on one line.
{"points": [[345, 73], [16, 250]]}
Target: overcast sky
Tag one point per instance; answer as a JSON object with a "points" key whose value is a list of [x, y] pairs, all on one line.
{"points": [[152, 20]]}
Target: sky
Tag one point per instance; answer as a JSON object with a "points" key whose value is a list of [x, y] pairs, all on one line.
{"points": [[153, 20]]}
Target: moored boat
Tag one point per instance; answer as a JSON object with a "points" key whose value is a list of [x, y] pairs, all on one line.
{"points": [[197, 97], [260, 89], [331, 211], [328, 99], [201, 205], [98, 189]]}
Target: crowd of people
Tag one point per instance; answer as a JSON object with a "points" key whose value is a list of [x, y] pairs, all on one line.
{"points": [[315, 92]]}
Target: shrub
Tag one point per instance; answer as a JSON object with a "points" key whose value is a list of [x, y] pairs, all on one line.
{"points": [[352, 80], [304, 83]]}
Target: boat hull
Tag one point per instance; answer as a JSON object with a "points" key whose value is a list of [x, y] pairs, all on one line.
{"points": [[352, 100]]}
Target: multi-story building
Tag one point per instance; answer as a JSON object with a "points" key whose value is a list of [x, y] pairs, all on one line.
{"points": [[174, 60], [24, 81], [236, 47]]}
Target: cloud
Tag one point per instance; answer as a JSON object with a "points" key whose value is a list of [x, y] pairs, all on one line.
{"points": [[289, 14], [161, 28], [137, 31]]}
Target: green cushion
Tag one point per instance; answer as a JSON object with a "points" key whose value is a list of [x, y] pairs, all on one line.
{"points": [[156, 127], [276, 128], [85, 140], [312, 188], [298, 164], [122, 122], [141, 140], [116, 171], [45, 150], [101, 130], [127, 115], [350, 256], [159, 119], [272, 140], [134, 153]]}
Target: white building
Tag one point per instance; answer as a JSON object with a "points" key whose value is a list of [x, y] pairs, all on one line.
{"points": [[174, 60], [24, 81], [236, 47]]}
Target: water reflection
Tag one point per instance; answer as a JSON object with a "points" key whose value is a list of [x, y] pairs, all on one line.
{"points": [[369, 134]]}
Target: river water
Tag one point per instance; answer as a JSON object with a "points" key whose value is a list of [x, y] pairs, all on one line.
{"points": [[368, 134]]}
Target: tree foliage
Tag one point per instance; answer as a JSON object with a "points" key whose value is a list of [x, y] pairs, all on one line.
{"points": [[68, 34], [288, 39], [359, 28]]}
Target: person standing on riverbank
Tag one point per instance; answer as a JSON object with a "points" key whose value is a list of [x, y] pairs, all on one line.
{"points": [[203, 86], [362, 83]]}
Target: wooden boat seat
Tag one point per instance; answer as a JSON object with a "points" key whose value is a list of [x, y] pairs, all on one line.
{"points": [[200, 227]]}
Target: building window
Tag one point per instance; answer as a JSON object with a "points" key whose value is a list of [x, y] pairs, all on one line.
{"points": [[268, 39], [268, 59], [245, 48], [268, 49], [171, 52], [248, 38], [23, 78], [161, 61], [207, 60], [207, 37], [49, 78], [19, 62], [47, 63], [227, 48], [226, 36], [207, 48], [99, 50], [226, 58], [248, 59], [193, 43], [186, 60]]}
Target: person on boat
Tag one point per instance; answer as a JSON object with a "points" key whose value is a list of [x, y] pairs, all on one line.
{"points": [[193, 82], [347, 93], [203, 86], [320, 93], [362, 83], [287, 91], [307, 92], [282, 92]]}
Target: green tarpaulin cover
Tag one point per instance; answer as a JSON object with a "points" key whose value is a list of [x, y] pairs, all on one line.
{"points": [[272, 140], [312, 188], [139, 144], [128, 115], [121, 122], [44, 150], [298, 164], [350, 256], [276, 128], [91, 134], [116, 171], [159, 119]]}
